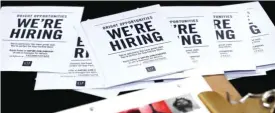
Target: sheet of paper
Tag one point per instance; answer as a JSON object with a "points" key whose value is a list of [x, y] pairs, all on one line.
{"points": [[233, 38], [143, 101], [195, 30], [261, 32], [81, 73], [114, 91], [240, 74], [232, 76], [266, 67], [261, 70], [34, 37], [135, 45]]}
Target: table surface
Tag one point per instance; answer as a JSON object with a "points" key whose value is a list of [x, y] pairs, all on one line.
{"points": [[17, 87]]}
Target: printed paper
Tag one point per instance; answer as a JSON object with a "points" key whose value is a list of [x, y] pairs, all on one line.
{"points": [[261, 32], [135, 45], [37, 38], [266, 67], [197, 36], [233, 39], [161, 101], [81, 74]]}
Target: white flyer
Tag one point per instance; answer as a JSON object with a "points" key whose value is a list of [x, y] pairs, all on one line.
{"points": [[261, 32], [81, 73], [135, 45], [197, 36], [235, 46], [34, 37], [181, 98]]}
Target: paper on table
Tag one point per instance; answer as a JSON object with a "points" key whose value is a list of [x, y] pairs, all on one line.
{"points": [[262, 35], [261, 70], [153, 96], [81, 73], [240, 74], [194, 26], [261, 32], [266, 67], [114, 91], [34, 38], [135, 45], [233, 39]]}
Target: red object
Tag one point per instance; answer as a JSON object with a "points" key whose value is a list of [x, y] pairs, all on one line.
{"points": [[157, 107]]}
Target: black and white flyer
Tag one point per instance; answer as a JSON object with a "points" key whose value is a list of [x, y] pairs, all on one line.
{"points": [[261, 32], [197, 36], [38, 38], [181, 99], [135, 45], [81, 74], [235, 46]]}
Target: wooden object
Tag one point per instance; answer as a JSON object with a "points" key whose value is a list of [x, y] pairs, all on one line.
{"points": [[218, 104], [220, 84]]}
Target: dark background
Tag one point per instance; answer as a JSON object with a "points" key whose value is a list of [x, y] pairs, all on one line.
{"points": [[17, 87]]}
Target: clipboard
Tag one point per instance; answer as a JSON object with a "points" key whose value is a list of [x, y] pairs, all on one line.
{"points": [[217, 100]]}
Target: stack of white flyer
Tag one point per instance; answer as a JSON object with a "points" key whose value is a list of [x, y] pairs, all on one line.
{"points": [[151, 46]]}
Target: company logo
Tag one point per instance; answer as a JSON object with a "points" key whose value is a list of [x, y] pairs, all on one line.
{"points": [[80, 83], [27, 63], [151, 69]]}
